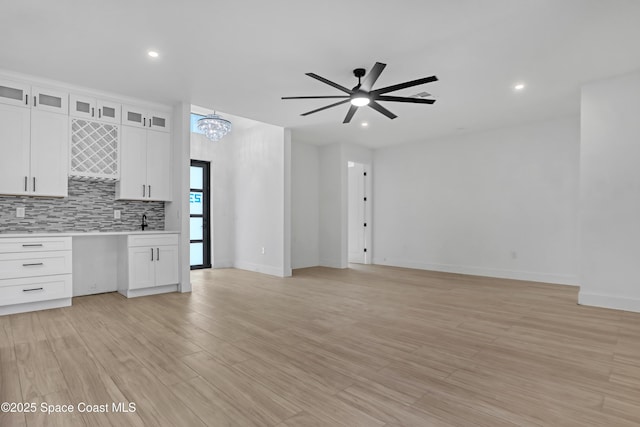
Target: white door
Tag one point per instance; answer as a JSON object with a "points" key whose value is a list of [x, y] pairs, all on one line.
{"points": [[158, 165], [166, 265], [142, 267], [359, 213], [49, 153], [15, 135], [133, 164]]}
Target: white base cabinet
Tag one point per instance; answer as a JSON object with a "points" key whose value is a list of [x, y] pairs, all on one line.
{"points": [[151, 262], [35, 274]]}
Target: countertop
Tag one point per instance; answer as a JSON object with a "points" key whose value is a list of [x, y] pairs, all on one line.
{"points": [[85, 233]]}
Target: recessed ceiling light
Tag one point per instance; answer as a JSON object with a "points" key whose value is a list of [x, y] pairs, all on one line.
{"points": [[519, 86], [153, 54], [364, 124]]}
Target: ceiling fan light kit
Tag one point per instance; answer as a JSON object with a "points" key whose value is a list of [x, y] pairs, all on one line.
{"points": [[363, 94]]}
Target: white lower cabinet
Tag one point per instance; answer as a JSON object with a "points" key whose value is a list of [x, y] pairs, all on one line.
{"points": [[35, 274], [151, 265]]}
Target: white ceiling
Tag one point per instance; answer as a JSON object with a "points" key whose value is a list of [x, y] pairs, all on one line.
{"points": [[240, 57]]}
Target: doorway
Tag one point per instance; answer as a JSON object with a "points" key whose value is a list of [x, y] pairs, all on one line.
{"points": [[199, 215], [359, 213]]}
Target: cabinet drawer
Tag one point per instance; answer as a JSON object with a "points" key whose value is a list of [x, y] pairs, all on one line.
{"points": [[154, 240], [20, 291], [34, 264], [34, 244]]}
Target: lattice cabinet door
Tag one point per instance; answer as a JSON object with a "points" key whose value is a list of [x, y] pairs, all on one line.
{"points": [[95, 150]]}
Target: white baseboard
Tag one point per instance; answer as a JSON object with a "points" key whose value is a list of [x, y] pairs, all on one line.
{"points": [[481, 271], [266, 269], [333, 263], [134, 293], [225, 263], [35, 306], [609, 301]]}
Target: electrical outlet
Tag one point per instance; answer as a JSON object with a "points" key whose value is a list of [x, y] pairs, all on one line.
{"points": [[262, 251], [116, 214], [20, 212]]}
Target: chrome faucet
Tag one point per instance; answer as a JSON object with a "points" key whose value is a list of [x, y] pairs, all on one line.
{"points": [[144, 222]]}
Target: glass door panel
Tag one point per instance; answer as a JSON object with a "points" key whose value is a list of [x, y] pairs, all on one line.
{"points": [[199, 215]]}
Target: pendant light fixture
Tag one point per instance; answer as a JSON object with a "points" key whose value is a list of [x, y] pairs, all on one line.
{"points": [[214, 127]]}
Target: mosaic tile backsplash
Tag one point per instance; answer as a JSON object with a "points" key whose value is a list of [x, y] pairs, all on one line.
{"points": [[89, 207]]}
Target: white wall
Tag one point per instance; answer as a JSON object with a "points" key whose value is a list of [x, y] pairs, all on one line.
{"points": [[177, 211], [250, 195], [332, 221], [305, 208], [320, 202], [610, 193], [502, 203], [260, 173]]}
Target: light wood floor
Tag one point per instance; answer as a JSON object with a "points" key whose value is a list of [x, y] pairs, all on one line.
{"points": [[369, 346]]}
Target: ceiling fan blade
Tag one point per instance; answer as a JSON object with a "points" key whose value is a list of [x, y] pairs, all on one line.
{"points": [[324, 108], [314, 97], [330, 83], [373, 75], [404, 99], [404, 85], [380, 109], [350, 113]]}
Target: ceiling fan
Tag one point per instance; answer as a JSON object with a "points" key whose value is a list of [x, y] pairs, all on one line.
{"points": [[362, 94]]}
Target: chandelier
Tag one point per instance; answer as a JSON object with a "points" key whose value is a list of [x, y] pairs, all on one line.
{"points": [[214, 127]]}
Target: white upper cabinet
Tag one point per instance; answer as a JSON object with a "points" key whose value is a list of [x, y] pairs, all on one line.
{"points": [[140, 117], [49, 154], [24, 95], [145, 165], [50, 100], [94, 109], [159, 165], [34, 151], [33, 140], [14, 93], [15, 137]]}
